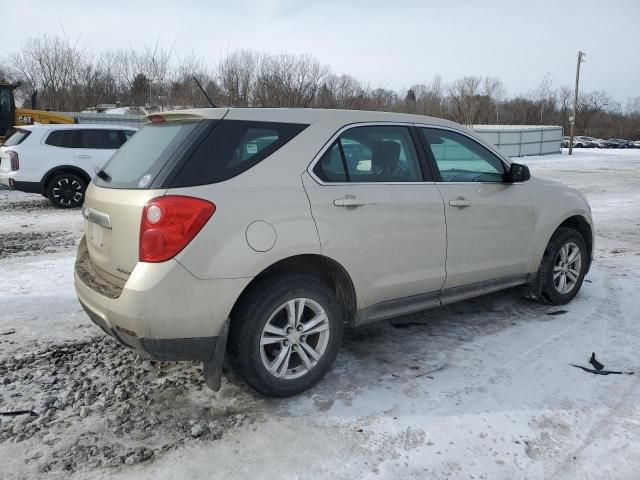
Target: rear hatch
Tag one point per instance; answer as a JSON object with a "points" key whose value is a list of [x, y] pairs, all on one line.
{"points": [[137, 172]]}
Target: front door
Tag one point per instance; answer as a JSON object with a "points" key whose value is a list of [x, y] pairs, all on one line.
{"points": [[489, 221], [378, 217]]}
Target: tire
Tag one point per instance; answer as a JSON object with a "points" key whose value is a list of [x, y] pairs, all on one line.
{"points": [[66, 190], [269, 302], [555, 268]]}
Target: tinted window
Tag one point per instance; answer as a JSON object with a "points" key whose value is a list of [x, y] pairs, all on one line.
{"points": [[461, 159], [140, 159], [231, 148], [16, 138], [64, 139], [331, 168], [101, 139], [371, 154]]}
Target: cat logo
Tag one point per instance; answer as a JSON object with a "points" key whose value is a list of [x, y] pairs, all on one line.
{"points": [[26, 119]]}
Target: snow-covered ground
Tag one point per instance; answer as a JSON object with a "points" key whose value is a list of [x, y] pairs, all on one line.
{"points": [[480, 389]]}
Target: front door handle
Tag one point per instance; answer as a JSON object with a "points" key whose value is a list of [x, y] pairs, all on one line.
{"points": [[84, 156], [460, 203], [348, 202]]}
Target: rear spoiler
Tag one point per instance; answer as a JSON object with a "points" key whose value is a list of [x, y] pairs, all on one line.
{"points": [[185, 115]]}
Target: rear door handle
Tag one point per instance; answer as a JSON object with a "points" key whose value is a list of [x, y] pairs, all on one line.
{"points": [[348, 202], [84, 156], [460, 203]]}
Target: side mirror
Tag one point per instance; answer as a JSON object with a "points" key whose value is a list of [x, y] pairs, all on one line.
{"points": [[518, 173]]}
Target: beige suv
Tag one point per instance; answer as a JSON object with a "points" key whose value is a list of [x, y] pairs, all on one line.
{"points": [[261, 232]]}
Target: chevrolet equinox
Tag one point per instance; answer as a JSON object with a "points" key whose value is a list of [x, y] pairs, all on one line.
{"points": [[259, 233]]}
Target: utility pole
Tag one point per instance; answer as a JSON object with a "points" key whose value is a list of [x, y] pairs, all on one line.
{"points": [[581, 55]]}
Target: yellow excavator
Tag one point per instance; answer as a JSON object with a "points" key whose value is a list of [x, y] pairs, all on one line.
{"points": [[11, 117]]}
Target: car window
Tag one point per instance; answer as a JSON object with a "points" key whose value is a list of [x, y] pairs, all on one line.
{"points": [[233, 147], [101, 139], [128, 134], [64, 139], [381, 154], [141, 158], [16, 138], [331, 167], [461, 159]]}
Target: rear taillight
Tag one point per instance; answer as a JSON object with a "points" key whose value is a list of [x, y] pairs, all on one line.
{"points": [[15, 160], [169, 224]]}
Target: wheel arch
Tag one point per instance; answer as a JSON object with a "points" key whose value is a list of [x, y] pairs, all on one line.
{"points": [[583, 227], [323, 268], [64, 169]]}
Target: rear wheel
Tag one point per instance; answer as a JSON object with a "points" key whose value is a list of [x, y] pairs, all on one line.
{"points": [[285, 334], [66, 190], [564, 266]]}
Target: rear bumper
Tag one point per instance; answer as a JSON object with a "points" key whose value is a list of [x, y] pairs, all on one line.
{"points": [[8, 179], [162, 312], [168, 349]]}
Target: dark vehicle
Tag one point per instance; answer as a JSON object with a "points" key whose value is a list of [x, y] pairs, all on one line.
{"points": [[618, 143]]}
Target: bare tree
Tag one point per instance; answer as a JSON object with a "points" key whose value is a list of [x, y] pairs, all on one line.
{"points": [[589, 104], [236, 77], [465, 97]]}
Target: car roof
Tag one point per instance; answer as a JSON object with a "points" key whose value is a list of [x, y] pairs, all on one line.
{"points": [[303, 115]]}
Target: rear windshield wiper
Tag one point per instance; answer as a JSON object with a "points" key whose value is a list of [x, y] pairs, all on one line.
{"points": [[103, 175]]}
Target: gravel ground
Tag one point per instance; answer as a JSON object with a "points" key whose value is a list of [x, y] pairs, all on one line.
{"points": [[478, 389]]}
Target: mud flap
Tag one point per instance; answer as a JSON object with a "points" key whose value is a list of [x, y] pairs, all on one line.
{"points": [[533, 288], [212, 370]]}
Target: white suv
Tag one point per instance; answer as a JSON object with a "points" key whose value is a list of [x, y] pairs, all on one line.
{"points": [[58, 161], [262, 231]]}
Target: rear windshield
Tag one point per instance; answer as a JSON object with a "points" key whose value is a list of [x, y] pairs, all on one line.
{"points": [[136, 164], [16, 138], [222, 150]]}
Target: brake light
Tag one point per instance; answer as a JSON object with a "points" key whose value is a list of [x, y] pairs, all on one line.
{"points": [[155, 118], [169, 224], [15, 160]]}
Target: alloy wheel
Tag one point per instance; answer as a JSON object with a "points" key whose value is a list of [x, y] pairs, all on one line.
{"points": [[294, 338], [567, 267]]}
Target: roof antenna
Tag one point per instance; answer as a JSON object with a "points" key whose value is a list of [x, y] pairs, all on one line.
{"points": [[204, 93]]}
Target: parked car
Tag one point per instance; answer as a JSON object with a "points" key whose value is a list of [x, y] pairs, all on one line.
{"points": [[584, 142], [58, 161], [250, 231], [564, 142], [617, 143]]}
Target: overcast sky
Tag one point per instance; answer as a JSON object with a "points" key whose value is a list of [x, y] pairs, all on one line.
{"points": [[390, 44]]}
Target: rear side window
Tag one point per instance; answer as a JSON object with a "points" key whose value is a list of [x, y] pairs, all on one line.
{"points": [[97, 139], [142, 157], [231, 148], [64, 139], [16, 138], [101, 139]]}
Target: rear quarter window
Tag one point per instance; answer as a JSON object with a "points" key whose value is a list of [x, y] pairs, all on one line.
{"points": [[233, 147], [64, 139]]}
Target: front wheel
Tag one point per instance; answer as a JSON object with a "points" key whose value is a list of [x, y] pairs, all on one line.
{"points": [[564, 266], [285, 334], [66, 190]]}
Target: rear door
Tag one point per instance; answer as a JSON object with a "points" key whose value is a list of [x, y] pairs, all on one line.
{"points": [[489, 221], [95, 147], [378, 215]]}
